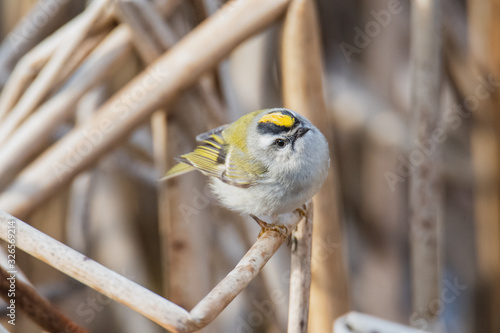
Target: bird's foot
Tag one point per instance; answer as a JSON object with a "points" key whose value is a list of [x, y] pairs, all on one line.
{"points": [[302, 211], [279, 228]]}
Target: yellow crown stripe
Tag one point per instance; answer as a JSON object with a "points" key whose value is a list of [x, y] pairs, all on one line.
{"points": [[278, 119]]}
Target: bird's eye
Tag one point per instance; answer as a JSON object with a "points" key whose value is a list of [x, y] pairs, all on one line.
{"points": [[280, 143]]}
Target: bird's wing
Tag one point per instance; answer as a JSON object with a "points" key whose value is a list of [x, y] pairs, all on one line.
{"points": [[234, 174], [213, 158], [204, 158]]}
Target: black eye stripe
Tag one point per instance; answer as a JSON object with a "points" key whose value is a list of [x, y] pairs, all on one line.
{"points": [[270, 128]]}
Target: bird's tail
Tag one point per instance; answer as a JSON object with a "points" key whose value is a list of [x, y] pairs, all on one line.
{"points": [[179, 169]]}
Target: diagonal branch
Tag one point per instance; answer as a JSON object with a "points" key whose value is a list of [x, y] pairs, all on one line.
{"points": [[33, 134], [28, 66], [93, 274], [138, 298], [18, 42], [35, 131], [49, 74]]}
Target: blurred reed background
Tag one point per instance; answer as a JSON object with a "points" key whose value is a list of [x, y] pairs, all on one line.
{"points": [[415, 190]]}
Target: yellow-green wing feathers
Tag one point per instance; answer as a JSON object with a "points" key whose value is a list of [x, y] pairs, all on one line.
{"points": [[179, 169], [214, 158], [208, 158]]}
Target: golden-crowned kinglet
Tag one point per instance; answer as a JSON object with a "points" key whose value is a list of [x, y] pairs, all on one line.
{"points": [[268, 162]]}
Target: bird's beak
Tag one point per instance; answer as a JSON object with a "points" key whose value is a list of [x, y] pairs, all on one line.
{"points": [[300, 133]]}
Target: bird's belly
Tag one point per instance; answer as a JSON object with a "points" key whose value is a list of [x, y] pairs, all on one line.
{"points": [[260, 199]]}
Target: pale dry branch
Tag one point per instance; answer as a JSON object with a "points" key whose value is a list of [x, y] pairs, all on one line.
{"points": [[31, 136], [224, 73], [28, 67], [18, 42], [77, 225], [159, 133], [303, 92], [79, 57], [152, 36], [424, 190], [34, 305], [300, 276], [33, 61], [363, 323], [49, 74], [251, 264], [151, 31], [165, 37], [248, 267], [242, 235], [143, 41], [93, 274], [162, 33], [138, 298], [175, 70]]}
